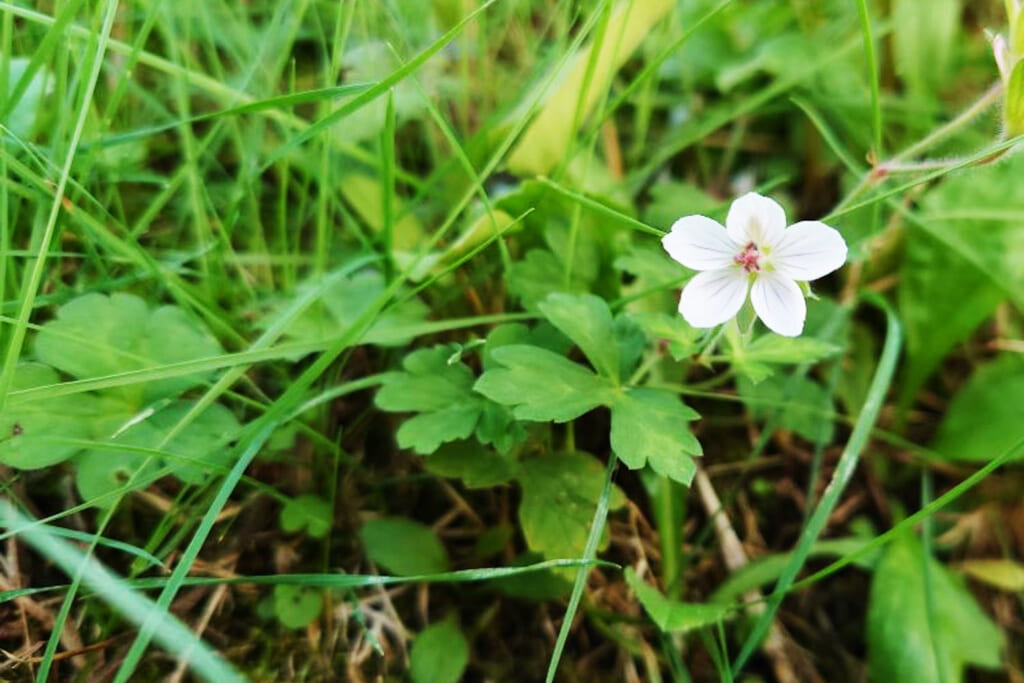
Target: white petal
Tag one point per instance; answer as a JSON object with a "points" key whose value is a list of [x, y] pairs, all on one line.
{"points": [[779, 302], [755, 218], [714, 296], [809, 250], [700, 243]]}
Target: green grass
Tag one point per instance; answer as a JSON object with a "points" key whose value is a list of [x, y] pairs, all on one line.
{"points": [[310, 203]]}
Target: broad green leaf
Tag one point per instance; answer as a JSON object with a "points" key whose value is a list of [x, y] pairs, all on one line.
{"points": [[673, 616], [308, 512], [670, 201], [767, 569], [539, 274], [962, 260], [581, 86], [442, 394], [543, 335], [924, 37], [96, 335], [1013, 107], [798, 403], [476, 465], [560, 494], [905, 641], [344, 298], [541, 586], [200, 448], [28, 430], [680, 335], [191, 455], [22, 118], [630, 340], [772, 348], [858, 366], [353, 295], [498, 427], [1004, 574], [99, 472], [439, 654], [942, 299], [587, 321], [542, 385], [403, 547], [986, 416], [297, 606], [754, 361], [649, 428]]}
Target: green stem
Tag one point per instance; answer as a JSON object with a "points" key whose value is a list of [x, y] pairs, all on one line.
{"points": [[589, 552]]}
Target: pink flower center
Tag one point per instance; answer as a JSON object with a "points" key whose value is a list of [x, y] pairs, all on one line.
{"points": [[749, 258]]}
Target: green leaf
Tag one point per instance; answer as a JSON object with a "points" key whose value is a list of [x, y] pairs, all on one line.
{"points": [[540, 586], [297, 606], [343, 299], [649, 428], [539, 274], [498, 426], [439, 654], [961, 260], [403, 547], [798, 404], [670, 201], [766, 569], [22, 118], [672, 616], [560, 494], [754, 361], [680, 335], [587, 321], [28, 430], [924, 37], [586, 79], [772, 348], [442, 392], [201, 447], [985, 417], [96, 335], [190, 456], [905, 642], [353, 295], [100, 471], [1003, 574], [1013, 103], [542, 385], [476, 465], [308, 512]]}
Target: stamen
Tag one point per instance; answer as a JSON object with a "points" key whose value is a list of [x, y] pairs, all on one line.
{"points": [[749, 258]]}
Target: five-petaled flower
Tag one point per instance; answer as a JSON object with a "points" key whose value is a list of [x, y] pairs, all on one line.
{"points": [[756, 251]]}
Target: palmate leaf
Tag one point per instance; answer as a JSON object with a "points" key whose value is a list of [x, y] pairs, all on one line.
{"points": [[560, 493], [649, 427], [441, 391], [543, 386], [191, 455], [28, 431], [588, 322], [97, 335]]}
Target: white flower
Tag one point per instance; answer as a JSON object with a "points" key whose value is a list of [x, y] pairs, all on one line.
{"points": [[755, 251]]}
